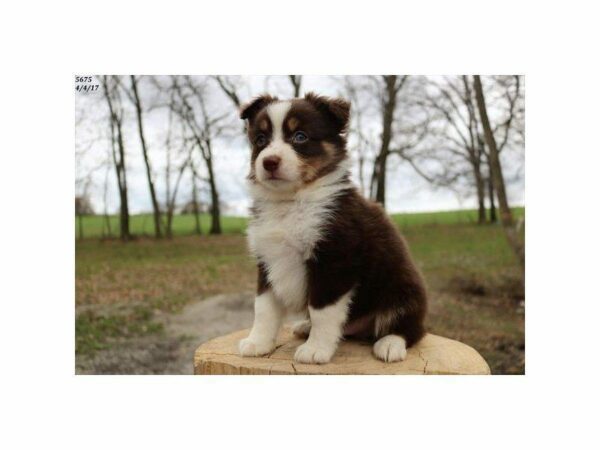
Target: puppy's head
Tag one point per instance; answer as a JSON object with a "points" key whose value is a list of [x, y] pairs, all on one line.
{"points": [[295, 142]]}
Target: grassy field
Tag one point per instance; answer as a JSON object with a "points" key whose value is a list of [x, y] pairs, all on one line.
{"points": [[143, 225], [183, 225], [473, 277]]}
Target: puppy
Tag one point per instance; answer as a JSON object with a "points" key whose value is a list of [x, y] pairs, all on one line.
{"points": [[321, 247]]}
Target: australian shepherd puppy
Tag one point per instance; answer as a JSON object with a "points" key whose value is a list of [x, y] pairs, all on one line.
{"points": [[322, 248]]}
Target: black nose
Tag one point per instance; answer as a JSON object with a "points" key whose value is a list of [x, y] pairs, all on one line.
{"points": [[271, 163]]}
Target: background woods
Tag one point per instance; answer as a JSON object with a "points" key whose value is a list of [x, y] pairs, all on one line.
{"points": [[163, 159], [179, 128]]}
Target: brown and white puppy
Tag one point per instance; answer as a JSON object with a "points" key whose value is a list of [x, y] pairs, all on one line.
{"points": [[321, 247]]}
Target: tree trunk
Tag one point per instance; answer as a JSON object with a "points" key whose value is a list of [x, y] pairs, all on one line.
{"points": [[506, 217], [116, 137], [196, 209], [169, 227], [80, 222], [492, 199], [432, 355], [138, 109], [361, 175], [389, 106], [105, 198], [205, 147], [229, 90], [296, 81], [475, 150], [108, 226], [215, 213], [480, 187], [372, 183], [380, 180], [122, 174]]}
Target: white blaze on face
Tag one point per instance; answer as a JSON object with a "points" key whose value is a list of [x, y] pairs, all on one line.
{"points": [[289, 166], [277, 112]]}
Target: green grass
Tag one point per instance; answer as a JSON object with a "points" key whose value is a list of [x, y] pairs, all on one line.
{"points": [[94, 331], [183, 225], [459, 216], [143, 225]]}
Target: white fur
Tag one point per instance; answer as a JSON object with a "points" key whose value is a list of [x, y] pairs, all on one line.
{"points": [[285, 231], [327, 327], [277, 112], [390, 348], [268, 313]]}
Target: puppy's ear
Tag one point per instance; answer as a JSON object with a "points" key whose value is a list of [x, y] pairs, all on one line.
{"points": [[249, 110], [337, 109]]}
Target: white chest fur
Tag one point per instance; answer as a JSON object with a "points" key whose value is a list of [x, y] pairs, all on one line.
{"points": [[283, 237], [283, 234]]}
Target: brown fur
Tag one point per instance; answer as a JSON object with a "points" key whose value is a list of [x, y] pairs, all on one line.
{"points": [[249, 110], [263, 281], [363, 250], [293, 123]]}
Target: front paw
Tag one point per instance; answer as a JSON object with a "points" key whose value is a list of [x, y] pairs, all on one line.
{"points": [[309, 353], [250, 347]]}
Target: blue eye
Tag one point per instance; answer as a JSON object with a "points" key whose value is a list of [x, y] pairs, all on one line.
{"points": [[299, 137], [261, 140]]}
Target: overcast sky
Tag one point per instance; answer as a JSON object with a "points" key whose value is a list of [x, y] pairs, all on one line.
{"points": [[406, 191]]}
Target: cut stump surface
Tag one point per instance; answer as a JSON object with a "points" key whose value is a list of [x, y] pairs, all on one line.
{"points": [[433, 355]]}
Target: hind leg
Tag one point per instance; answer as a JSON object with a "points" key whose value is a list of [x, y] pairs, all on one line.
{"points": [[301, 328], [390, 348]]}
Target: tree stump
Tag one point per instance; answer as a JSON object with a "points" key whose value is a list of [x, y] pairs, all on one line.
{"points": [[433, 355]]}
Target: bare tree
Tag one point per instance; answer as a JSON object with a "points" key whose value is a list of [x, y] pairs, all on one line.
{"points": [[113, 101], [412, 140], [390, 86], [192, 108], [171, 193], [296, 81], [431, 124], [497, 176], [454, 140], [359, 142], [492, 199], [135, 99], [195, 203], [230, 88], [509, 129], [405, 127], [106, 226], [458, 130], [210, 129]]}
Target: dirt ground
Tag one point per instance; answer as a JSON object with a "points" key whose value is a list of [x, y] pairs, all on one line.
{"points": [[172, 351]]}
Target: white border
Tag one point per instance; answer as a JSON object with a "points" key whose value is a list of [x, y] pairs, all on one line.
{"points": [[46, 43]]}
